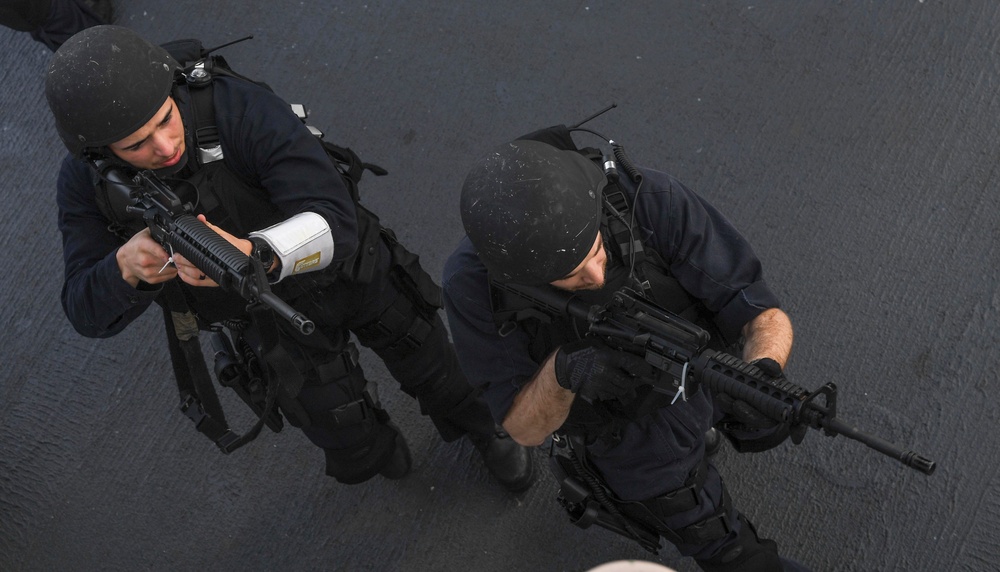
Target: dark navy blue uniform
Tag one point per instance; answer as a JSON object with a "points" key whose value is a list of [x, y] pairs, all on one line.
{"points": [[657, 453], [268, 150]]}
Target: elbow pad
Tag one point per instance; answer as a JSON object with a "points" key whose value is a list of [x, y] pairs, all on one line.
{"points": [[303, 243]]}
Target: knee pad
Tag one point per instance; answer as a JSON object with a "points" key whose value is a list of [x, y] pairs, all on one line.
{"points": [[357, 437], [749, 553], [346, 419], [360, 462], [343, 403], [333, 380]]}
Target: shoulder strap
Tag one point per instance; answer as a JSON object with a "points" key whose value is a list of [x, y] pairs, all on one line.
{"points": [[206, 133], [617, 210]]}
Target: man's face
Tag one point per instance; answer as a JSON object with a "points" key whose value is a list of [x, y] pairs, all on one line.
{"points": [[157, 144], [589, 274]]}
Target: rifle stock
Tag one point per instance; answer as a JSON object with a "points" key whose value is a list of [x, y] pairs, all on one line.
{"points": [[631, 323]]}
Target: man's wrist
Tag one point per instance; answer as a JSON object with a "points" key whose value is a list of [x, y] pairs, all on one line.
{"points": [[263, 252]]}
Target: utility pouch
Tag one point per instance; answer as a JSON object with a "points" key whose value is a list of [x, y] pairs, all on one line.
{"points": [[588, 502], [411, 279], [360, 266]]}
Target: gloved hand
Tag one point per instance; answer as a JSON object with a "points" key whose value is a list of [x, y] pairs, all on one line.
{"points": [[594, 371], [748, 429], [744, 413], [769, 367]]}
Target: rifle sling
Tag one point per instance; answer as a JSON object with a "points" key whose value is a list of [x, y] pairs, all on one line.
{"points": [[199, 400]]}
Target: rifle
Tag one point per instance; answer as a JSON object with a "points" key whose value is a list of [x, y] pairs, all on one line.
{"points": [[171, 224], [678, 348]]}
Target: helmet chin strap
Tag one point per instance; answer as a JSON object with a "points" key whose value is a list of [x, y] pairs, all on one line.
{"points": [[104, 154], [175, 168]]}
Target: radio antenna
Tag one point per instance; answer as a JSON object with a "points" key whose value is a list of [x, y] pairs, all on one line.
{"points": [[598, 114]]}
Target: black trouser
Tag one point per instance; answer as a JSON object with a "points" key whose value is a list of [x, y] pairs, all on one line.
{"points": [[347, 421]]}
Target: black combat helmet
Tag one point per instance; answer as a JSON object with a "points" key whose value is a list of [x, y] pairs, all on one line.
{"points": [[105, 83], [532, 211]]}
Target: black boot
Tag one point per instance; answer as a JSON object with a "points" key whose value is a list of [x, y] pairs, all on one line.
{"points": [[400, 462], [713, 442], [510, 463]]}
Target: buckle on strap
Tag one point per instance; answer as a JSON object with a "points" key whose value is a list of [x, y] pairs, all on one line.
{"points": [[340, 367], [352, 413], [357, 411], [712, 528], [221, 435], [682, 499], [196, 413]]}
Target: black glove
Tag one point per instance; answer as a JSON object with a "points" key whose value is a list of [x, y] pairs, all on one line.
{"points": [[593, 371], [768, 367], [748, 429], [771, 369], [744, 413]]}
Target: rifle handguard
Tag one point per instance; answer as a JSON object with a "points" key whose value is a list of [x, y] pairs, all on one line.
{"points": [[210, 252], [776, 398], [229, 267]]}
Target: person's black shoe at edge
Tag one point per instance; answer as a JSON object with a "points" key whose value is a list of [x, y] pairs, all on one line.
{"points": [[509, 462], [713, 442], [401, 461]]}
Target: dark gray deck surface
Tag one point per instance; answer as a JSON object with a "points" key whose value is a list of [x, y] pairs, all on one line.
{"points": [[855, 143]]}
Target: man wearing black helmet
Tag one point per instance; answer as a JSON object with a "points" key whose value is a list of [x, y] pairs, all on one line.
{"points": [[267, 182], [539, 212]]}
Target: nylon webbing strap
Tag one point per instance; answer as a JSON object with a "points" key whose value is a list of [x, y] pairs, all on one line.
{"points": [[617, 210], [267, 328], [198, 399], [206, 134]]}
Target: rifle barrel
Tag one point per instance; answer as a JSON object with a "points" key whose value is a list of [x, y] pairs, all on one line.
{"points": [[911, 459], [302, 323]]}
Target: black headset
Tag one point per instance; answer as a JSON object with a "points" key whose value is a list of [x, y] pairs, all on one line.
{"points": [[610, 164]]}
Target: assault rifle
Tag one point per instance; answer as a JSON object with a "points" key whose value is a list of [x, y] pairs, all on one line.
{"points": [[678, 348], [171, 224]]}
